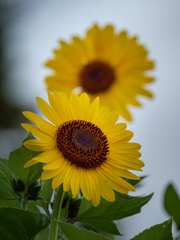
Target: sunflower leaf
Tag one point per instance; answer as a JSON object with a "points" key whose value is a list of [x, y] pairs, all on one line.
{"points": [[31, 205], [123, 206], [5, 181], [104, 226], [136, 183], [17, 160], [158, 232], [43, 235], [75, 233], [6, 191], [47, 190], [5, 172], [46, 195], [18, 224], [172, 204]]}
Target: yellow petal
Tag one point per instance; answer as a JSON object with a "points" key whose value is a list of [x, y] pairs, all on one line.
{"points": [[114, 134], [93, 111], [67, 178], [62, 106], [48, 156], [30, 163], [41, 123], [83, 106], [47, 174], [58, 179], [85, 184], [96, 188], [74, 105], [118, 138], [75, 182], [35, 131], [121, 163], [102, 113], [107, 167], [55, 164], [110, 121], [40, 145], [106, 191], [117, 183], [80, 49], [48, 112]]}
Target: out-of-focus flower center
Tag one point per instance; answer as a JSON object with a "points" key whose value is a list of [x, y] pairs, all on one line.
{"points": [[96, 77], [82, 143]]}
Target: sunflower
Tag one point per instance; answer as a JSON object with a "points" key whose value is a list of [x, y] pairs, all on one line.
{"points": [[83, 147], [103, 64]]}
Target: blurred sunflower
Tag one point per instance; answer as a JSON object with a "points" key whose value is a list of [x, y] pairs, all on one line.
{"points": [[103, 64], [83, 148]]}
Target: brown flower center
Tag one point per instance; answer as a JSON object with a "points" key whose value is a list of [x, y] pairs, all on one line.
{"points": [[82, 143], [96, 77]]}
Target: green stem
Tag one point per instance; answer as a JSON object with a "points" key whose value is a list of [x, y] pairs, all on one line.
{"points": [[53, 230], [24, 200]]}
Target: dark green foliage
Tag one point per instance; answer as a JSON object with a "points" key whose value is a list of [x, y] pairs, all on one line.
{"points": [[158, 232], [75, 233], [18, 185], [124, 206], [172, 204], [18, 224], [17, 160], [102, 216], [6, 191]]}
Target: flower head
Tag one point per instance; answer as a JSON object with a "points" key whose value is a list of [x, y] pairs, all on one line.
{"points": [[104, 63], [83, 147]]}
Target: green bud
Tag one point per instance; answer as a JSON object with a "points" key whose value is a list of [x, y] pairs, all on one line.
{"points": [[34, 191], [34, 184], [18, 186]]}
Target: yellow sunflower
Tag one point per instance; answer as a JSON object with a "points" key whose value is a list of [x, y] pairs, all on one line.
{"points": [[103, 64], [83, 147]]}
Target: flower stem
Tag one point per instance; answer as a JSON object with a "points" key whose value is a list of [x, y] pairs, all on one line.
{"points": [[53, 230], [24, 200]]}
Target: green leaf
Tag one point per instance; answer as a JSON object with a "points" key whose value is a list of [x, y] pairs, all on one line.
{"points": [[172, 204], [5, 172], [15, 204], [158, 232], [18, 224], [47, 190], [6, 191], [17, 160], [136, 183], [123, 206], [105, 226], [75, 233], [73, 207], [31, 205], [46, 194], [42, 235], [9, 203]]}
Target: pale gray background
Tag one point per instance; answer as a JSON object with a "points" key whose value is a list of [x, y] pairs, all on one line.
{"points": [[156, 126]]}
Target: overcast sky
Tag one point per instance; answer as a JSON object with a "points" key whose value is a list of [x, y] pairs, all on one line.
{"points": [[35, 34]]}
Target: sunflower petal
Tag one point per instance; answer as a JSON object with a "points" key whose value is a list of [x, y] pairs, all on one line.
{"points": [[93, 111], [75, 182], [41, 123], [30, 163], [40, 145]]}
